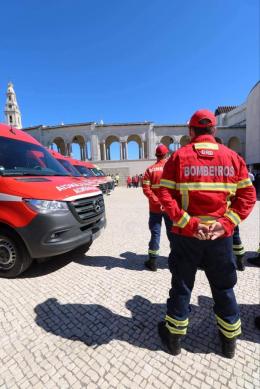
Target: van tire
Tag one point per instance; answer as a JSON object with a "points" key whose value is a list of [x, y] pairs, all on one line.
{"points": [[81, 250], [12, 249]]}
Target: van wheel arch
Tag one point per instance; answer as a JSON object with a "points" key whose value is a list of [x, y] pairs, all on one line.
{"points": [[14, 256]]}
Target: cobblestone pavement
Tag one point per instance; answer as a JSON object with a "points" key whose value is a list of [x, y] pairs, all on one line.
{"points": [[90, 321]]}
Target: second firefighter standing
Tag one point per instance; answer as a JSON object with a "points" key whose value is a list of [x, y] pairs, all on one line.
{"points": [[151, 185]]}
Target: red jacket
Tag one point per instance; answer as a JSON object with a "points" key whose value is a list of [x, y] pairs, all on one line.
{"points": [[151, 185], [206, 181]]}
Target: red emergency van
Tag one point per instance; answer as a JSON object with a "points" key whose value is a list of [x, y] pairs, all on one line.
{"points": [[44, 211], [74, 167], [107, 181], [83, 168]]}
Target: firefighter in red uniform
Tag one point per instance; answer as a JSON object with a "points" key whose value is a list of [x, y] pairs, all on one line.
{"points": [[151, 185], [206, 192]]}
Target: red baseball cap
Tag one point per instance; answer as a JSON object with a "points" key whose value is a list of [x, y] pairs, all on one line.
{"points": [[203, 118], [161, 150]]}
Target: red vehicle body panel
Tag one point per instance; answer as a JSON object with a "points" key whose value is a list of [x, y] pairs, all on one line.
{"points": [[29, 175]]}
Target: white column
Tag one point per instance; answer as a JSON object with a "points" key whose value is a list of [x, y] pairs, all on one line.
{"points": [[68, 149], [103, 146], [121, 151], [126, 150], [95, 149], [142, 150], [86, 151]]}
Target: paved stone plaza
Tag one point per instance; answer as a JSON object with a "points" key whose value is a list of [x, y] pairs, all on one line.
{"points": [[91, 321]]}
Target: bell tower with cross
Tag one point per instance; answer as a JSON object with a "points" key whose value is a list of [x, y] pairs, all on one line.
{"points": [[12, 112]]}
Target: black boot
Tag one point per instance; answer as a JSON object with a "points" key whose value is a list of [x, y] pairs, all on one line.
{"points": [[171, 341], [254, 260], [257, 322], [228, 346], [240, 262], [151, 264]]}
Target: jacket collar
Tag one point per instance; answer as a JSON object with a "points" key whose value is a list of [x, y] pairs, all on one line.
{"points": [[204, 138]]}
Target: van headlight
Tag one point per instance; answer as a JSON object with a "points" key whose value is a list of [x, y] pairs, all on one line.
{"points": [[47, 206]]}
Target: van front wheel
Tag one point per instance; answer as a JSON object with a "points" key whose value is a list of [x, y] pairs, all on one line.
{"points": [[14, 258]]}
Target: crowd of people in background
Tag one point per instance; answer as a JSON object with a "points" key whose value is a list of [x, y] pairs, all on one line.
{"points": [[134, 181]]}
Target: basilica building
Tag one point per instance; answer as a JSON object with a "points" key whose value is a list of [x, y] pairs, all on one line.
{"points": [[238, 128]]}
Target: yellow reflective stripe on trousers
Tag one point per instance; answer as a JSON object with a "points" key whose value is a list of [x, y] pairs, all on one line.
{"points": [[177, 323], [174, 330], [238, 246], [168, 184], [146, 182], [155, 186], [244, 183], [230, 335], [153, 252], [215, 186], [233, 216], [206, 145], [228, 326], [183, 221], [238, 249], [184, 199], [239, 252]]}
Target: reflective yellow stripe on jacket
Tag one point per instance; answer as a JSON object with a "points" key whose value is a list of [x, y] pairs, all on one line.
{"points": [[206, 146], [233, 216], [224, 186], [168, 184], [244, 183], [183, 221]]}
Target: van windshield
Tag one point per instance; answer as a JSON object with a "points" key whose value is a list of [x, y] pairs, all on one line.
{"points": [[97, 172], [84, 171], [69, 167], [22, 158]]}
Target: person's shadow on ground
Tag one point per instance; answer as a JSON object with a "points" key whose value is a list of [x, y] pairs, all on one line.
{"points": [[128, 260], [96, 325]]}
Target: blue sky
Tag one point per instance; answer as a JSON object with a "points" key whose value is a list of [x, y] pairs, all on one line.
{"points": [[127, 60]]}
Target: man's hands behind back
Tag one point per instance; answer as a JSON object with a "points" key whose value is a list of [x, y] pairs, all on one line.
{"points": [[209, 232]]}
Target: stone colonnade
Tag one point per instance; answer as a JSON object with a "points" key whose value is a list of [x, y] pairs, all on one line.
{"points": [[95, 140]]}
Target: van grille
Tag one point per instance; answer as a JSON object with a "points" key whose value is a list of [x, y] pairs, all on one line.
{"points": [[89, 209]]}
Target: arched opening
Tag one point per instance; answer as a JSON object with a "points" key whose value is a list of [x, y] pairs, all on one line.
{"points": [[171, 143], [78, 148], [112, 148], [58, 144], [54, 147], [167, 141], [185, 139], [135, 148], [235, 144]]}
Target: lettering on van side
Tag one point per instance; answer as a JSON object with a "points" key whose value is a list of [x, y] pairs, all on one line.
{"points": [[70, 186]]}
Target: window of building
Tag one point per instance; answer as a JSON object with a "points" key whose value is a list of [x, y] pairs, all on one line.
{"points": [[10, 118], [10, 105], [10, 98]]}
